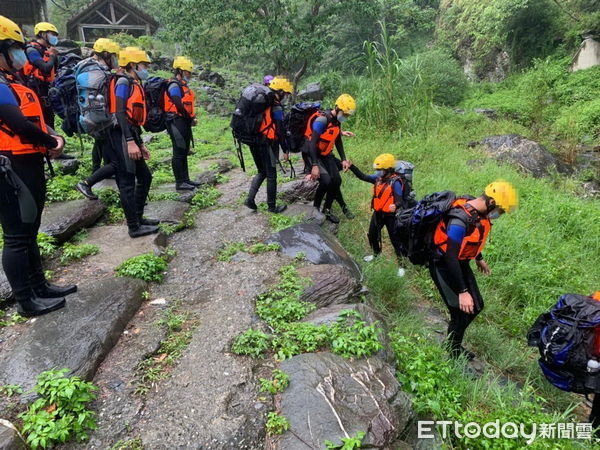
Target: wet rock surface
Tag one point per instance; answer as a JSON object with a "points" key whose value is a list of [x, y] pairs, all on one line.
{"points": [[168, 211], [78, 336], [67, 166], [308, 212], [330, 397], [62, 220], [329, 285], [9, 439], [318, 246], [527, 155], [298, 190]]}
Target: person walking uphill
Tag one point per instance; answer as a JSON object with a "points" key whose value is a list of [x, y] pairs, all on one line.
{"points": [[323, 131], [265, 151], [24, 140], [179, 102], [459, 238], [41, 65]]}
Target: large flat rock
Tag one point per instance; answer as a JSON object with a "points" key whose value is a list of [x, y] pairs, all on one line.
{"points": [[318, 246], [298, 190], [308, 212], [62, 220], [9, 439], [170, 211], [329, 285], [76, 337], [330, 397]]}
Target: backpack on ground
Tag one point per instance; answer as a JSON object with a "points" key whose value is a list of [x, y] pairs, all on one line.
{"points": [[93, 82], [405, 170], [295, 122], [249, 112], [63, 94], [154, 90], [415, 226], [564, 337]]}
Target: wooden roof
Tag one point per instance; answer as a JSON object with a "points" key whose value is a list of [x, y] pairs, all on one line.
{"points": [[23, 12]]}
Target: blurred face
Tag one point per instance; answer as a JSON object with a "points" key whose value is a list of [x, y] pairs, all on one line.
{"points": [[52, 38], [187, 75]]}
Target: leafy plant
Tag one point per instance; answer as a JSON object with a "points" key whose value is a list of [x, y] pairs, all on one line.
{"points": [[276, 424], [349, 443], [300, 337], [14, 319], [277, 384], [71, 252], [147, 267], [47, 244], [61, 188], [251, 342], [225, 254], [60, 413], [262, 248], [131, 444], [279, 221], [205, 198], [352, 337], [11, 390]]}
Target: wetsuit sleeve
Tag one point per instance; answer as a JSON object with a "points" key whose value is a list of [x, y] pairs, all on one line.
{"points": [[362, 176], [318, 127], [277, 115], [339, 145], [37, 60], [12, 118], [175, 94], [456, 233], [122, 92], [398, 191]]}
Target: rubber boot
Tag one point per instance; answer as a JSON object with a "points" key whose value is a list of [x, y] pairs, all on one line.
{"points": [[185, 186], [49, 290], [277, 209], [86, 190], [35, 306], [330, 216], [142, 230]]}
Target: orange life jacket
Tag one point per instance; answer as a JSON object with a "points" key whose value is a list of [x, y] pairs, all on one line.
{"points": [[31, 108], [136, 102], [267, 127], [29, 70], [474, 240], [188, 99], [383, 194], [327, 138]]}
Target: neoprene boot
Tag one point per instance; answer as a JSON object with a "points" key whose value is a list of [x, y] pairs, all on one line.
{"points": [[49, 290], [277, 209], [330, 216], [86, 190], [35, 306], [185, 186], [148, 221], [142, 230], [349, 215], [193, 183]]}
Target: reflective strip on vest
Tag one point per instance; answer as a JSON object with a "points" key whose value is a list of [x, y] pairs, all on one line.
{"points": [[473, 242], [188, 99], [29, 70], [31, 108], [327, 138]]}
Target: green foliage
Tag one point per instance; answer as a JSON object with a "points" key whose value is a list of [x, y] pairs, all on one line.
{"points": [[349, 443], [10, 390], [14, 319], [60, 413], [114, 211], [276, 424], [279, 222], [205, 198], [277, 384], [47, 244], [71, 252], [131, 444], [147, 267], [300, 337], [251, 342], [225, 254], [262, 248], [61, 188], [352, 337]]}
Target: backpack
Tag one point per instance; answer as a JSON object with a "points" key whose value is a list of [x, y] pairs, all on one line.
{"points": [[564, 337], [93, 82], [249, 112], [405, 170], [155, 89], [63, 94], [415, 226], [295, 122]]}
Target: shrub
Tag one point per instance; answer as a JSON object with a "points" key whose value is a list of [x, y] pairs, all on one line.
{"points": [[147, 267]]}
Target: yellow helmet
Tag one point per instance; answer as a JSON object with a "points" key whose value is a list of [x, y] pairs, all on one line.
{"points": [[183, 63], [106, 45], [384, 161], [346, 104], [280, 83], [132, 55], [10, 31], [44, 26], [504, 194]]}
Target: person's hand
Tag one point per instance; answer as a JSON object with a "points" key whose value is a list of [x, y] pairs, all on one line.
{"points": [[393, 207], [57, 150], [348, 134], [346, 165], [145, 152], [315, 173], [465, 302], [286, 157], [133, 150], [483, 267]]}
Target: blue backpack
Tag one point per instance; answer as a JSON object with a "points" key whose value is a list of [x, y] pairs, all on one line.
{"points": [[63, 94], [564, 337]]}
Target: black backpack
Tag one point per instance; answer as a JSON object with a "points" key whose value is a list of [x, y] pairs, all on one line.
{"points": [[295, 122], [63, 94], [564, 337], [154, 90], [415, 226], [249, 113]]}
